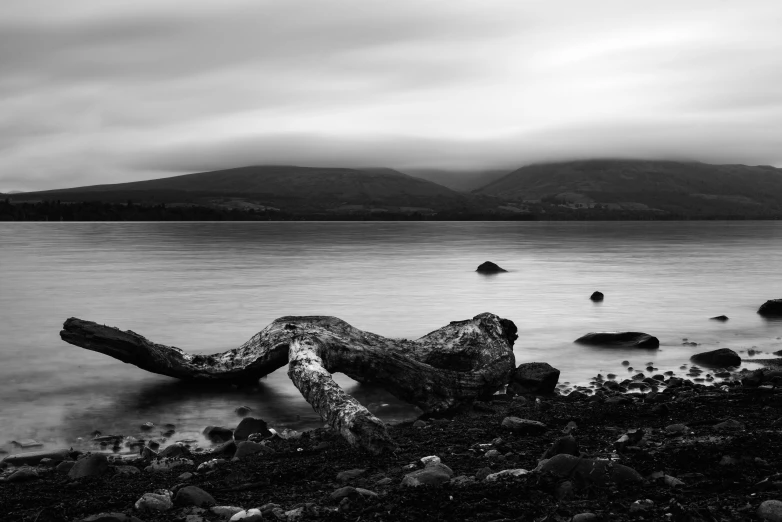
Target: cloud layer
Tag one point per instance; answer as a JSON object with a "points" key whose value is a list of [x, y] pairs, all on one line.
{"points": [[100, 92]]}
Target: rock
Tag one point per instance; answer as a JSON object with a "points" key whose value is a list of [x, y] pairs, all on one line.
{"points": [[250, 425], [564, 445], [168, 464], [185, 476], [721, 358], [494, 477], [23, 475], [620, 339], [523, 426], [431, 475], [34, 457], [672, 481], [676, 429], [462, 481], [729, 425], [641, 505], [193, 496], [344, 492], [535, 377], [771, 511], [721, 318], [225, 511], [174, 451], [148, 453], [246, 448], [147, 426], [598, 472], [491, 454], [210, 464], [89, 466], [431, 459], [64, 467], [350, 475], [218, 433], [488, 267], [227, 449], [111, 517], [158, 501], [419, 424], [584, 517], [576, 395], [251, 515], [771, 308], [127, 470], [596, 296]]}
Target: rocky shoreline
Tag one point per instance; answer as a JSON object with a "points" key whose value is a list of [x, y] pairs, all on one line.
{"points": [[683, 451]]}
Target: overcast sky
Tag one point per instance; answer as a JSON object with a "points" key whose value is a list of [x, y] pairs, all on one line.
{"points": [[102, 91]]}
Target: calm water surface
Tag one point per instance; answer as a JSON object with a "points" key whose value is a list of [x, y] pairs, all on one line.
{"points": [[208, 287]]}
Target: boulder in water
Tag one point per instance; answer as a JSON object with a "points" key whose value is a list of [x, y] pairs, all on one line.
{"points": [[721, 358], [620, 339], [720, 318], [596, 296], [534, 377], [771, 308], [489, 268]]}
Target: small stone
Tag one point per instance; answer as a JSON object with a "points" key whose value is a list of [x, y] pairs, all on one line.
{"points": [[155, 501], [175, 451], [676, 429], [491, 454], [584, 517], [350, 475], [111, 517], [641, 505], [185, 476], [64, 467], [90, 466], [147, 426], [419, 424], [218, 433], [344, 492], [250, 425], [251, 515], [225, 511], [431, 459], [193, 496], [482, 473], [210, 464], [729, 425], [506, 473], [771, 511], [523, 426], [23, 475], [432, 475]]}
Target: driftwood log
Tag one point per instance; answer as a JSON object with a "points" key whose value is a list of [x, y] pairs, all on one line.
{"points": [[441, 371]]}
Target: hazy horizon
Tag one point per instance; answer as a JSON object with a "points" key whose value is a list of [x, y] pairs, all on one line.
{"points": [[98, 93]]}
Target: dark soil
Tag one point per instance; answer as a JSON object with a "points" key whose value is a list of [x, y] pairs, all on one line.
{"points": [[299, 475]]}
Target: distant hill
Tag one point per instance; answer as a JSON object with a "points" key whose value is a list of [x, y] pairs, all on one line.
{"points": [[675, 187], [279, 186], [459, 180]]}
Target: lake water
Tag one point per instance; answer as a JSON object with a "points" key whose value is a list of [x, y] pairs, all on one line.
{"points": [[208, 287]]}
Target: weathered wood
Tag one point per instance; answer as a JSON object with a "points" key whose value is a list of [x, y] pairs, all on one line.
{"points": [[449, 367]]}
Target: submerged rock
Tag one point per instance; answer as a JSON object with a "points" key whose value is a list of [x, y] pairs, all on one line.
{"points": [[534, 377], [721, 358], [620, 339], [488, 267], [771, 308], [218, 433]]}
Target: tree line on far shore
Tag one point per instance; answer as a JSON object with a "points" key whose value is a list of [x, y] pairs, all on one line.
{"points": [[56, 210]]}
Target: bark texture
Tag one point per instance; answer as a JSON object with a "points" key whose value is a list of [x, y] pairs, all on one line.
{"points": [[444, 369]]}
